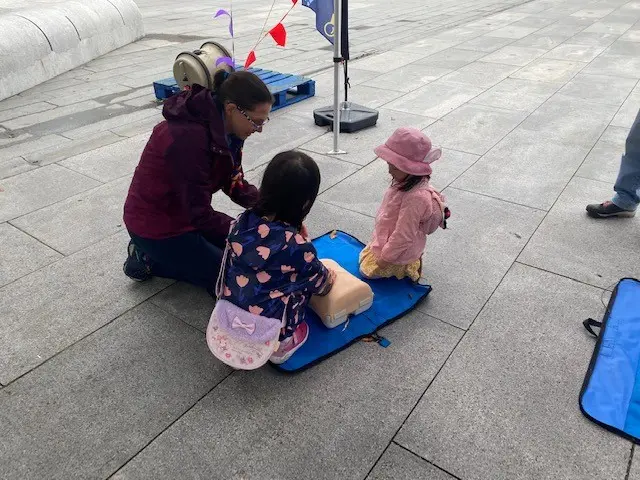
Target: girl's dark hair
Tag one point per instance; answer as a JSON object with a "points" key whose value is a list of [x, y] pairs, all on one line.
{"points": [[289, 188], [411, 181], [243, 88]]}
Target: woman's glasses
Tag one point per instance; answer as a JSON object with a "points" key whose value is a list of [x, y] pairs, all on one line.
{"points": [[255, 125]]}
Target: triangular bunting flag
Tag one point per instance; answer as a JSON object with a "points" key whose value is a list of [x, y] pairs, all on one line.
{"points": [[250, 59], [227, 60], [221, 12], [279, 34]]}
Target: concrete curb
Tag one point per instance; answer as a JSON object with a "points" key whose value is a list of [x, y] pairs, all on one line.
{"points": [[39, 43]]}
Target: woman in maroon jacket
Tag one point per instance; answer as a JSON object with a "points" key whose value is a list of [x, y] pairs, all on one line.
{"points": [[175, 232]]}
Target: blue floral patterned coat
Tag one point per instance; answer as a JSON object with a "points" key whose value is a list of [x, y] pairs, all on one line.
{"points": [[271, 268]]}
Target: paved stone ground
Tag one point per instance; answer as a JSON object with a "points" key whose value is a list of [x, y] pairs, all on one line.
{"points": [[532, 101]]}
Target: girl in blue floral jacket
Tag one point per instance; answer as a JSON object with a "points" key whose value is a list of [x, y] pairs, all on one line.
{"points": [[272, 268]]}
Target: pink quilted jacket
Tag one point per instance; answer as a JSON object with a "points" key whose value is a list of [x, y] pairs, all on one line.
{"points": [[403, 222]]}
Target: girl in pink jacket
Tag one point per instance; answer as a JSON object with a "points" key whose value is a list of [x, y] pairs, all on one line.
{"points": [[411, 209]]}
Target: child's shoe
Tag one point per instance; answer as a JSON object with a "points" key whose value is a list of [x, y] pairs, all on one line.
{"points": [[291, 345], [134, 266]]}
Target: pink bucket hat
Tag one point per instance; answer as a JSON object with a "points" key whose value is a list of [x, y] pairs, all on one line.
{"points": [[409, 150]]}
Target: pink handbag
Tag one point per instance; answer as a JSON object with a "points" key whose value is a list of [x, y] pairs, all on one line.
{"points": [[239, 338]]}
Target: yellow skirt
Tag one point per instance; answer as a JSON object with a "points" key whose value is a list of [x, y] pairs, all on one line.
{"points": [[369, 268]]}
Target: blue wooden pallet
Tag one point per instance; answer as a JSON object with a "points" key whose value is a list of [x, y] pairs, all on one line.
{"points": [[286, 89]]}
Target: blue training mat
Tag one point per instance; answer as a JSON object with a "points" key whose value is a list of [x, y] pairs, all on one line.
{"points": [[610, 394], [392, 299]]}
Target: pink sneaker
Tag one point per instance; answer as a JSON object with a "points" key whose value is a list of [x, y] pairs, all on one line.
{"points": [[291, 345]]}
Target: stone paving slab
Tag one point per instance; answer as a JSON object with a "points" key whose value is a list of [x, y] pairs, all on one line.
{"points": [[21, 254], [76, 296], [550, 70], [599, 89], [575, 53], [22, 144], [485, 44], [571, 121], [389, 61], [615, 65], [527, 168], [110, 162], [57, 225], [406, 78], [65, 149], [570, 244], [30, 109], [474, 129], [326, 217], [627, 113], [191, 304], [39, 188], [372, 97], [603, 161], [542, 39], [595, 39], [10, 167], [41, 117], [631, 36], [400, 464], [516, 94], [505, 406], [113, 122], [436, 99], [136, 128], [634, 471], [323, 415], [113, 392], [480, 74], [466, 262], [518, 56]]}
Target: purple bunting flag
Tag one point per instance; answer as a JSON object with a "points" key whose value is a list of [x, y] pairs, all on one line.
{"points": [[222, 12]]}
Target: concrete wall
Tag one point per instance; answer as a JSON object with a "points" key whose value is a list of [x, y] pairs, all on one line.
{"points": [[47, 38]]}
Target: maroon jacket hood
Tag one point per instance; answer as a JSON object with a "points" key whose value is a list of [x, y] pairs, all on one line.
{"points": [[198, 105]]}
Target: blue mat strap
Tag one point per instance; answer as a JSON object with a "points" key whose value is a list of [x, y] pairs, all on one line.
{"points": [[393, 299], [589, 323]]}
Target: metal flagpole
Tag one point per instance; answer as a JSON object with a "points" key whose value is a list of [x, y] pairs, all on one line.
{"points": [[337, 60]]}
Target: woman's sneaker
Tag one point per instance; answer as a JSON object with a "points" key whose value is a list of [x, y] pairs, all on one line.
{"points": [[291, 345], [608, 209], [135, 266]]}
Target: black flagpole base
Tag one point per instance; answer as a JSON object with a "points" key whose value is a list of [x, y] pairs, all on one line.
{"points": [[353, 118]]}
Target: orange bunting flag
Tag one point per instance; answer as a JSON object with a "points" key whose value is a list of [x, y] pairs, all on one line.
{"points": [[250, 59], [279, 34]]}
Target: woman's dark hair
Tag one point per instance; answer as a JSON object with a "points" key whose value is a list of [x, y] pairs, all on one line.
{"points": [[289, 188], [411, 181], [243, 88]]}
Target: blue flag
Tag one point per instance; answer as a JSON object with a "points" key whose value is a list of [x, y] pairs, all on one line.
{"points": [[324, 16]]}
